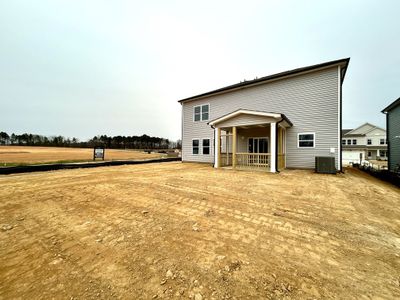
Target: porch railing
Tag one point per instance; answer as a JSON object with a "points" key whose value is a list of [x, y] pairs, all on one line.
{"points": [[253, 160], [226, 159]]}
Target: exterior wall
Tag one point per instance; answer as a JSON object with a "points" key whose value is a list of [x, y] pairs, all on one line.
{"points": [[361, 140], [374, 154], [376, 135], [310, 101], [352, 156], [393, 123]]}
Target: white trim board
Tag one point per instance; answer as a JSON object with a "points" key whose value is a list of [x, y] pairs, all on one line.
{"points": [[244, 111], [201, 112], [314, 140]]}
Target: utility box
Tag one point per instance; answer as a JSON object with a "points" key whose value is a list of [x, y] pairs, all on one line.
{"points": [[325, 164]]}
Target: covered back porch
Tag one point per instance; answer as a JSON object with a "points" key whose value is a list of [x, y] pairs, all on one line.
{"points": [[253, 140]]}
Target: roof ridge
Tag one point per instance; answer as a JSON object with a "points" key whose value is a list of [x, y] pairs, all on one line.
{"points": [[296, 71]]}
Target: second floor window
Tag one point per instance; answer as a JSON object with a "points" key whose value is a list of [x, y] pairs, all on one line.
{"points": [[201, 113], [369, 142], [343, 142], [354, 142], [348, 142], [382, 141]]}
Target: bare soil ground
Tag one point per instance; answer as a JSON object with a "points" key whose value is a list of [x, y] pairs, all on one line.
{"points": [[14, 155], [187, 230]]}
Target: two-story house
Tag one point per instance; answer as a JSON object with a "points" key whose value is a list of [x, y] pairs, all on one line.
{"points": [[366, 142], [279, 121], [393, 135]]}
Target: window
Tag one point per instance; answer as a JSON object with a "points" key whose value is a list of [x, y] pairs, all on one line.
{"points": [[382, 141], [348, 142], [258, 145], [195, 146], [382, 153], [369, 153], [369, 142], [343, 142], [354, 142], [197, 113], [206, 146], [306, 140], [201, 112], [204, 112]]}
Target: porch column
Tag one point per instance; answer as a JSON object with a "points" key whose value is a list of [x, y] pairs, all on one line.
{"points": [[272, 157], [234, 143], [217, 147]]}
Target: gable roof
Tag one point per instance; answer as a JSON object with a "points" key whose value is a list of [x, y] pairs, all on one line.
{"points": [[360, 130], [342, 62], [394, 104], [250, 112], [345, 131]]}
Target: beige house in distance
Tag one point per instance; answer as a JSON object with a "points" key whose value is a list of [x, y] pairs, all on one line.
{"points": [[367, 142]]}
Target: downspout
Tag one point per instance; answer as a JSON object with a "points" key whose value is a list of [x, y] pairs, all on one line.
{"points": [[387, 141], [341, 126], [182, 120], [212, 126], [276, 145]]}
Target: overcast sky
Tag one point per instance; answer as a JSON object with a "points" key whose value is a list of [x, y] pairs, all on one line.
{"points": [[82, 68]]}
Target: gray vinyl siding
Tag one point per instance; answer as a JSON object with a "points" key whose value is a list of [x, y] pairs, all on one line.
{"points": [[393, 130], [310, 101]]}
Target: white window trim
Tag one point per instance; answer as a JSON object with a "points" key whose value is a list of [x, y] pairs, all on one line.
{"points": [[194, 114], [209, 146], [201, 112], [298, 140], [257, 137], [199, 146]]}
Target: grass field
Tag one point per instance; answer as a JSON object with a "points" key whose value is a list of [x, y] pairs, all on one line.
{"points": [[187, 230], [23, 155]]}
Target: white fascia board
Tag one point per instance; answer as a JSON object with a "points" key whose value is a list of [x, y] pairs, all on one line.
{"points": [[244, 111]]}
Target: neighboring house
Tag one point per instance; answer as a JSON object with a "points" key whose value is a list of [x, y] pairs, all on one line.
{"points": [[365, 142], [273, 122], [393, 134]]}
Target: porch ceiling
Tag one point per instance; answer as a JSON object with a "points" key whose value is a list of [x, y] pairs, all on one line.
{"points": [[229, 129]]}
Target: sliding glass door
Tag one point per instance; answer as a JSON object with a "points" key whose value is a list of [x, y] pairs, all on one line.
{"points": [[258, 145]]}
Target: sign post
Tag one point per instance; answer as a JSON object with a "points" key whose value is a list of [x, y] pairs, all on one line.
{"points": [[99, 152]]}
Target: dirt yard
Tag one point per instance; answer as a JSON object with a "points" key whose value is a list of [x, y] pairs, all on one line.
{"points": [[14, 155], [175, 230]]}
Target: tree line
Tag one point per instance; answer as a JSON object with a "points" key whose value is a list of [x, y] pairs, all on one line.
{"points": [[115, 142]]}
